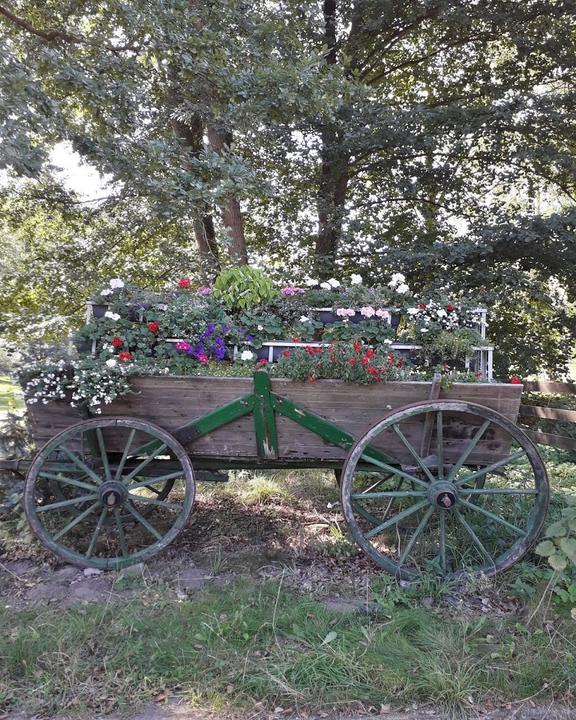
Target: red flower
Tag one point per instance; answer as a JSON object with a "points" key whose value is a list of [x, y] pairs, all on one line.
{"points": [[262, 361], [372, 370], [365, 360], [184, 283], [153, 327], [450, 307], [351, 361], [286, 353], [515, 380], [357, 346], [332, 357], [117, 341], [391, 359], [125, 356], [400, 362], [421, 306], [370, 353], [296, 339]]}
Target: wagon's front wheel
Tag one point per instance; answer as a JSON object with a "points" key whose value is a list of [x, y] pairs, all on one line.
{"points": [[465, 491], [109, 492]]}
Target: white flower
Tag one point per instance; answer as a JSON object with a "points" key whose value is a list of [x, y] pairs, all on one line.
{"points": [[304, 319], [325, 286], [111, 315], [247, 355], [368, 311], [260, 327], [441, 313], [388, 341], [311, 282], [355, 279], [111, 363], [423, 330], [333, 283], [106, 291], [116, 283], [402, 288], [413, 311], [396, 279]]}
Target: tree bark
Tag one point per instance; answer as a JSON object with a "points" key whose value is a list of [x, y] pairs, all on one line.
{"points": [[218, 141], [335, 171]]}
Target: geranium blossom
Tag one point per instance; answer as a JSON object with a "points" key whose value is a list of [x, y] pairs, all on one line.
{"points": [[111, 315], [204, 291], [402, 289], [117, 341], [183, 346], [310, 282], [355, 279], [116, 283], [289, 291], [396, 279], [153, 327], [125, 356], [184, 283], [326, 286], [247, 355], [111, 363], [383, 314], [333, 283], [345, 312], [367, 311], [106, 291]]}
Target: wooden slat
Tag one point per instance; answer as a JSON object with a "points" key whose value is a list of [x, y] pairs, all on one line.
{"points": [[552, 388], [558, 441], [548, 413]]}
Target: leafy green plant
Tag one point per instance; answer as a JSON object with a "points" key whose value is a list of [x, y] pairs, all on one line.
{"points": [[244, 287], [559, 545]]}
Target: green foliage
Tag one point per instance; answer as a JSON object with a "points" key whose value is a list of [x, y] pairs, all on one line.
{"points": [[244, 287], [559, 547]]}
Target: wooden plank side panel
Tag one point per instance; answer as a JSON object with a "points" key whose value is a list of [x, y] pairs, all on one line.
{"points": [[550, 388], [46, 421], [558, 441], [172, 401]]}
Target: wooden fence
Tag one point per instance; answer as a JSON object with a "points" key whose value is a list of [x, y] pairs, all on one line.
{"points": [[563, 442]]}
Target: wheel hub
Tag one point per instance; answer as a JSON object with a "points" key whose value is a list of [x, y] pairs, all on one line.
{"points": [[443, 495], [112, 494]]}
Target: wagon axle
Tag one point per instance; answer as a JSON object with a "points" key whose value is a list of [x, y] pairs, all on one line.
{"points": [[443, 494]]}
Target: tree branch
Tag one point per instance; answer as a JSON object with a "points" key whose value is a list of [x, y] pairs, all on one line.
{"points": [[55, 34]]}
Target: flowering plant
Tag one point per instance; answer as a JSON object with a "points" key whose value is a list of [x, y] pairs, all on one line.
{"points": [[353, 362]]}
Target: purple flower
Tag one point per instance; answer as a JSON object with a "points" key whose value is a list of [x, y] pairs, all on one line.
{"points": [[249, 338], [204, 291], [225, 329]]}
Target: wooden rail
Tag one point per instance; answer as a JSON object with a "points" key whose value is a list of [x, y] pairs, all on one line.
{"points": [[562, 442]]}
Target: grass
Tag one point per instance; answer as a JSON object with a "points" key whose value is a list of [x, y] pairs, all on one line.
{"points": [[234, 647]]}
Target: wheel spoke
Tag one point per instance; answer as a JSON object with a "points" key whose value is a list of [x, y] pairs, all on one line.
{"points": [[475, 539], [414, 454], [500, 491], [390, 493], [103, 453], [121, 535], [68, 481], [490, 468], [440, 444], [76, 460], [466, 454], [153, 501], [394, 470], [145, 462], [142, 520], [65, 503], [421, 525], [120, 467], [96, 532], [492, 516], [442, 533], [396, 518], [378, 482], [153, 481], [75, 522]]}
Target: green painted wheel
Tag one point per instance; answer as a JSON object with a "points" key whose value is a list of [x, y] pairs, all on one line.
{"points": [[468, 495], [96, 494]]}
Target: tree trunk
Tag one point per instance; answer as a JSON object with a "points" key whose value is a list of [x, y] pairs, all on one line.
{"points": [[190, 136], [334, 173], [232, 218]]}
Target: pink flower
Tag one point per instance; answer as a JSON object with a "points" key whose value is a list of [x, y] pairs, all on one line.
{"points": [[183, 345], [368, 311], [204, 291], [384, 314], [289, 291], [184, 283], [202, 358]]}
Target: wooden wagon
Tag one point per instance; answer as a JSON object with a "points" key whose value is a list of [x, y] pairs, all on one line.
{"points": [[431, 479]]}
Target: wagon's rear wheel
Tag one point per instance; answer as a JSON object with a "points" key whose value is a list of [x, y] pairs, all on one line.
{"points": [[109, 492], [473, 499]]}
